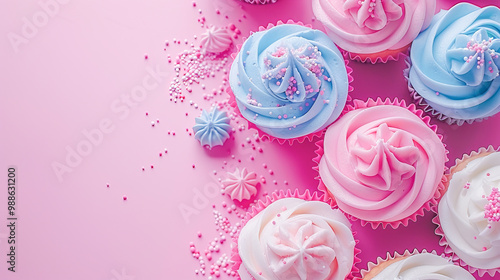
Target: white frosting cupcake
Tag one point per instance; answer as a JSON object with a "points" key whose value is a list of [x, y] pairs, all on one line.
{"points": [[417, 266], [469, 212]]}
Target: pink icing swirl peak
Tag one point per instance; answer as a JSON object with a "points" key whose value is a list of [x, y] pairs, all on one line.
{"points": [[303, 249], [373, 14], [384, 159]]}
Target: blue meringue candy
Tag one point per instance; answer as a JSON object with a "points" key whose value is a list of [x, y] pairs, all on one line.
{"points": [[212, 128]]}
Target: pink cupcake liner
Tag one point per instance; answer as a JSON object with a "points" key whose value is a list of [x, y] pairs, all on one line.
{"points": [[428, 108], [379, 260], [264, 136], [262, 204], [439, 230], [359, 104], [403, 53]]}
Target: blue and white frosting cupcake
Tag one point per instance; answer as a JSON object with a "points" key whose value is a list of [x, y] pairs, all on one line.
{"points": [[290, 81], [455, 64]]}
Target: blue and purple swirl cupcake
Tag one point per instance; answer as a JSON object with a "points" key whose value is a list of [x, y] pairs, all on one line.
{"points": [[290, 81], [455, 64]]}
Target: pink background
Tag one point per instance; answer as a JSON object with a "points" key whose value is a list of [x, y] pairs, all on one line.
{"points": [[69, 74]]}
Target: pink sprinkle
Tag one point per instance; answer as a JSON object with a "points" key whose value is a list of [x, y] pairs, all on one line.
{"points": [[161, 154], [124, 197], [492, 209], [194, 166], [152, 167], [199, 234], [107, 185], [146, 56]]}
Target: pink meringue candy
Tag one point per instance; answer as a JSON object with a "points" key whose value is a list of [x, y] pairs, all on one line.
{"points": [[216, 40], [240, 185]]}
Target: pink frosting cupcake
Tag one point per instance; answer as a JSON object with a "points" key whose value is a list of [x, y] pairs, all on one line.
{"points": [[294, 236], [374, 30], [382, 162]]}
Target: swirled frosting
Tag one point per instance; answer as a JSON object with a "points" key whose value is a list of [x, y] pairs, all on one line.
{"points": [[212, 128], [290, 81], [216, 40], [372, 26], [240, 185], [455, 62], [469, 212], [296, 239], [423, 266], [381, 163]]}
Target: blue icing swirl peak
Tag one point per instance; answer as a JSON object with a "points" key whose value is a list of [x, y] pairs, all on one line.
{"points": [[475, 59], [293, 73]]}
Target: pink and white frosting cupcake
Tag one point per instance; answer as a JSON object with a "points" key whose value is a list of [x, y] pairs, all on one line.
{"points": [[414, 266], [374, 30], [292, 236], [469, 212], [382, 162]]}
